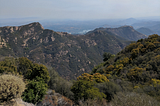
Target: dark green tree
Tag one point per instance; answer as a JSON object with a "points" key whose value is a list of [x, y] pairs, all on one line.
{"points": [[41, 71], [8, 65], [36, 89], [35, 75], [84, 90], [25, 66], [107, 56], [32, 70], [109, 89]]}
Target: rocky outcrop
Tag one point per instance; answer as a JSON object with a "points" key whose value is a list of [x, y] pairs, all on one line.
{"points": [[17, 102], [55, 99], [2, 42], [50, 99]]}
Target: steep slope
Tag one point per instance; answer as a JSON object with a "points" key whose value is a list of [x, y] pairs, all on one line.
{"points": [[70, 55], [137, 62], [14, 39], [126, 32]]}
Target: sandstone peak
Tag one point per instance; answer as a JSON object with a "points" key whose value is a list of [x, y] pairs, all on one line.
{"points": [[35, 24]]}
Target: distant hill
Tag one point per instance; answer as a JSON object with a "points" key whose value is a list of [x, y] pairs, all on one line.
{"points": [[155, 28], [145, 31], [128, 21], [126, 32], [70, 55]]}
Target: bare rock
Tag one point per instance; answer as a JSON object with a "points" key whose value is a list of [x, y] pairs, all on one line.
{"points": [[17, 102]]}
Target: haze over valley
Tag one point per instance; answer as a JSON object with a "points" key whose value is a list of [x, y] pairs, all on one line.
{"points": [[147, 26]]}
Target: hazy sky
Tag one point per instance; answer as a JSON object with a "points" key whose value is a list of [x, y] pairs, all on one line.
{"points": [[79, 9]]}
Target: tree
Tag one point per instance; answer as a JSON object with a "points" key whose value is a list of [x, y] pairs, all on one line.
{"points": [[32, 70], [84, 90], [8, 65], [36, 89], [25, 66], [97, 77], [41, 71], [35, 75], [107, 56], [134, 52], [37, 78], [135, 74], [109, 89]]}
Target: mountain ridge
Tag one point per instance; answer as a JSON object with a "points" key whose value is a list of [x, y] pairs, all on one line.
{"points": [[70, 55], [127, 32], [145, 31]]}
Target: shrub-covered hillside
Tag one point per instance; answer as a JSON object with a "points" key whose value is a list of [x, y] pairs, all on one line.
{"points": [[138, 63], [129, 78], [22, 78], [35, 77]]}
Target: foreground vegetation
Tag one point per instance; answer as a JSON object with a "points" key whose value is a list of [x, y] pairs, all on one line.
{"points": [[34, 75], [130, 78]]}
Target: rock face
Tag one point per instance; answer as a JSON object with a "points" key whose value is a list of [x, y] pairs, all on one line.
{"points": [[50, 99], [19, 102], [70, 55], [55, 99]]}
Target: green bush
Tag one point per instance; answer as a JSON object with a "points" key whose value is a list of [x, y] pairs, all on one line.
{"points": [[84, 90], [36, 89], [59, 84], [10, 87], [107, 56], [36, 76], [32, 70], [109, 89], [8, 65]]}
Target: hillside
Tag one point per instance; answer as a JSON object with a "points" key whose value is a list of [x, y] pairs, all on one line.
{"points": [[152, 25], [137, 63], [70, 55], [155, 28], [126, 32], [145, 31], [129, 77]]}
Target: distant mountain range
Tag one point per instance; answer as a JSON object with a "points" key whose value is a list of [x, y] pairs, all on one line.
{"points": [[70, 55], [148, 27], [83, 26], [126, 32], [145, 31]]}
